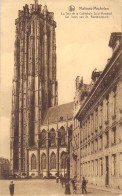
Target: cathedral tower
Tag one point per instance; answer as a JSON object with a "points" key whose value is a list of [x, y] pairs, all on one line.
{"points": [[34, 83]]}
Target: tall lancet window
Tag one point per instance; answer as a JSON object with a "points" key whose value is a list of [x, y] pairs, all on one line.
{"points": [[62, 136], [52, 137], [63, 160], [33, 162], [53, 161], [43, 161], [42, 139]]}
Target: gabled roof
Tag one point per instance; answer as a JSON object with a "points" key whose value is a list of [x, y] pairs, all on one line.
{"points": [[58, 113], [4, 161]]}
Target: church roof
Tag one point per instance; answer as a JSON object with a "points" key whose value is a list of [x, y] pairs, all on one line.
{"points": [[59, 112]]}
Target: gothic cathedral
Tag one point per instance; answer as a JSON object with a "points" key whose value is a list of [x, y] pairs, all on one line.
{"points": [[39, 127]]}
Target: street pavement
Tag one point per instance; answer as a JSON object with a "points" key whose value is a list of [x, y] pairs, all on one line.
{"points": [[46, 188]]}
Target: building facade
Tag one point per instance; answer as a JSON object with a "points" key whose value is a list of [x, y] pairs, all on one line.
{"points": [[96, 147], [4, 168], [35, 143], [53, 140]]}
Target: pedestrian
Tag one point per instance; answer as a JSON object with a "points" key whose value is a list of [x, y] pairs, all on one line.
{"points": [[67, 188], [56, 179], [74, 186], [84, 185], [11, 188], [62, 181], [61, 178]]}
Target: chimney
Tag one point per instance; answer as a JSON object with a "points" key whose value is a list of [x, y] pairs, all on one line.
{"points": [[115, 40]]}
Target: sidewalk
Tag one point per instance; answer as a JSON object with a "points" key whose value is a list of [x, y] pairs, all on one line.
{"points": [[117, 191]]}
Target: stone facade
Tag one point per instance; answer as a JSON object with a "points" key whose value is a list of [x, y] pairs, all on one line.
{"points": [[34, 92], [96, 147], [53, 141], [4, 168]]}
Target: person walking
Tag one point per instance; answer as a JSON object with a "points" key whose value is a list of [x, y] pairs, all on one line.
{"points": [[67, 187], [11, 188], [84, 185], [57, 179], [74, 186], [61, 178], [62, 181]]}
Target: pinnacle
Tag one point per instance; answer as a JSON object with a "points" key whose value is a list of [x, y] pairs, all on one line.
{"points": [[36, 2]]}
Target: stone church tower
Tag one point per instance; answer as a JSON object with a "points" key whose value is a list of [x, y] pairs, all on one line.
{"points": [[34, 83]]}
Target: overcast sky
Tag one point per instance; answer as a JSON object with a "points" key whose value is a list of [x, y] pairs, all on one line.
{"points": [[82, 46]]}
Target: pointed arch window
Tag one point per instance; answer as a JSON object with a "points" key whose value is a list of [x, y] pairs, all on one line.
{"points": [[33, 162], [52, 136], [42, 139], [43, 161], [63, 160], [62, 136], [53, 161]]}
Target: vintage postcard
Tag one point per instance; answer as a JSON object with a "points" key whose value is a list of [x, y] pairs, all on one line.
{"points": [[60, 97]]}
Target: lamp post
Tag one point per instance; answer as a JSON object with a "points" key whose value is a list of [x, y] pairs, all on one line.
{"points": [[67, 178], [67, 184]]}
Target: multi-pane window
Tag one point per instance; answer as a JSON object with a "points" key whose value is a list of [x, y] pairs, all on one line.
{"points": [[81, 169], [88, 148], [107, 110], [83, 132], [92, 168], [114, 102], [78, 141], [100, 115], [43, 161], [100, 142], [121, 164], [88, 168], [96, 145], [81, 135], [33, 162], [106, 139], [92, 147], [92, 124], [96, 167], [113, 164], [81, 152], [113, 133], [101, 166], [88, 126], [86, 130], [96, 120]]}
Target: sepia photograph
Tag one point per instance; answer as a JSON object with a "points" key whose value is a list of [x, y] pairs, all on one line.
{"points": [[61, 98]]}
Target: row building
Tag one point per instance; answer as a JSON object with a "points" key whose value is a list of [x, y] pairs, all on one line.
{"points": [[4, 168], [96, 146]]}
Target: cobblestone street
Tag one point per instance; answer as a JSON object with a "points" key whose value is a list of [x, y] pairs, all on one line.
{"points": [[45, 188]]}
